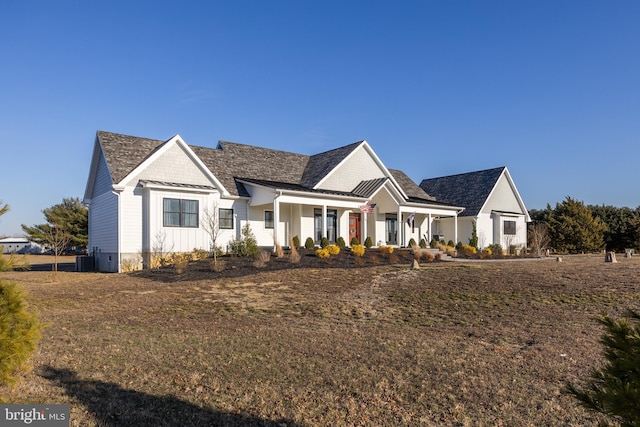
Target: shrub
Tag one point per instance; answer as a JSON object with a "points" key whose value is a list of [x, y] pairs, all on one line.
{"points": [[247, 245], [294, 255], [198, 254], [434, 243], [614, 389], [412, 242], [180, 262], [368, 242], [333, 249], [309, 243], [262, 259], [459, 246], [324, 242], [486, 252], [19, 333], [388, 249], [341, 243], [438, 257], [428, 256], [468, 251], [322, 253], [450, 243], [496, 249], [357, 250], [13, 262], [295, 242], [423, 244], [354, 241]]}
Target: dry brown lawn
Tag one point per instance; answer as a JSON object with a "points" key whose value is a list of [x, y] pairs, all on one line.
{"points": [[343, 342]]}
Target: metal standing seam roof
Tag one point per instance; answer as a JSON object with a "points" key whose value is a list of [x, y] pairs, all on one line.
{"points": [[470, 190]]}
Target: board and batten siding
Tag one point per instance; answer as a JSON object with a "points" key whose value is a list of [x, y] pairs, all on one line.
{"points": [[360, 166]]}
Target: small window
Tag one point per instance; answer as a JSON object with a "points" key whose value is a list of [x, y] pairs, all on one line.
{"points": [[510, 227], [226, 218], [180, 213], [268, 219]]}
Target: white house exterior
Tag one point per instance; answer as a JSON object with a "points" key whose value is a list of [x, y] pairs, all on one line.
{"points": [[491, 201], [148, 195]]}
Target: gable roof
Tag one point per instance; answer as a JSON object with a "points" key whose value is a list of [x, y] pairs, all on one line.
{"points": [[412, 190], [234, 164], [124, 152], [319, 165], [470, 190]]}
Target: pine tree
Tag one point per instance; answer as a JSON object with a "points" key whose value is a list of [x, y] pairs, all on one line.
{"points": [[614, 390], [19, 333], [574, 229]]}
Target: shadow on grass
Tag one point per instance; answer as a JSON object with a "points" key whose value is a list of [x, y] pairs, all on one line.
{"points": [[112, 405]]}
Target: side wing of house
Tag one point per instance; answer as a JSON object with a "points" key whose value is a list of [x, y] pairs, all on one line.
{"points": [[503, 218]]}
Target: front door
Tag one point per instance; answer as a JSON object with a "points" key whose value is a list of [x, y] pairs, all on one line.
{"points": [[391, 221], [354, 227]]}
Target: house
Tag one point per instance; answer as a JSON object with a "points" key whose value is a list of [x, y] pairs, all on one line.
{"points": [[146, 195], [491, 202], [19, 245]]}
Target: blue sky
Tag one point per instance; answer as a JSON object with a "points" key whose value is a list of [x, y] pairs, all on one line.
{"points": [[550, 89]]}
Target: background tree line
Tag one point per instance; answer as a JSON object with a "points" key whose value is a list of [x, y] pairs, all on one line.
{"points": [[574, 227]]}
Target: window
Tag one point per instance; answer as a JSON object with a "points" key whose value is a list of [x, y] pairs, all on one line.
{"points": [[510, 227], [268, 219], [332, 224], [180, 213], [226, 218]]}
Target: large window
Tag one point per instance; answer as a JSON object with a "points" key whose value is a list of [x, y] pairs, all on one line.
{"points": [[226, 218], [180, 213], [332, 224], [510, 227], [268, 219]]}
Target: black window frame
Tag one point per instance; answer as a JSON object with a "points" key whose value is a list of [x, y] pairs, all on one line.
{"points": [[180, 216], [509, 228], [269, 221], [225, 222]]}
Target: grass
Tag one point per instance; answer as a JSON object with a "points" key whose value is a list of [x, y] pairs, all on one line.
{"points": [[449, 344]]}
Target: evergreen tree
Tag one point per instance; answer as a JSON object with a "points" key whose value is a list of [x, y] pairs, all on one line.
{"points": [[614, 390], [574, 229], [11, 262], [19, 333]]}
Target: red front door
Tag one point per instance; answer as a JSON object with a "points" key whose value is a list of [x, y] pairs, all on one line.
{"points": [[354, 227]]}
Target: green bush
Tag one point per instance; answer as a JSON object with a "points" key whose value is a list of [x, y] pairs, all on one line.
{"points": [[459, 246], [340, 243], [412, 242], [423, 243], [368, 242], [496, 249], [354, 241], [614, 389], [309, 243], [434, 243], [296, 242], [450, 243], [324, 242], [19, 333], [247, 245]]}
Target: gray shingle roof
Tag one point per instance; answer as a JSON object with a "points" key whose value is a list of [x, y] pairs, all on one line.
{"points": [[230, 161], [123, 152], [470, 190], [319, 165], [411, 189]]}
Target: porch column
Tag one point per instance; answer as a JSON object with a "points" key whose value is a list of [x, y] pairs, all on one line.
{"points": [[276, 222], [429, 228], [455, 229], [324, 221], [363, 226], [401, 229]]}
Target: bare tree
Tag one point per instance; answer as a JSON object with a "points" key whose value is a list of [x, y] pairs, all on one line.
{"points": [[56, 239], [210, 224], [539, 238]]}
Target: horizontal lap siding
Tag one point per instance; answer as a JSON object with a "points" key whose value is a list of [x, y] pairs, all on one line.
{"points": [[103, 220]]}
